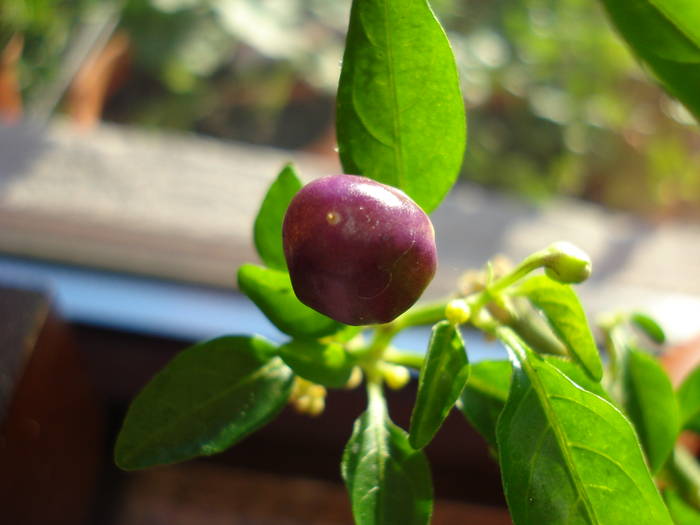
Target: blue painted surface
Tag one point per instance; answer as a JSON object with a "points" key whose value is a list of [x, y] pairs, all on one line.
{"points": [[170, 309]]}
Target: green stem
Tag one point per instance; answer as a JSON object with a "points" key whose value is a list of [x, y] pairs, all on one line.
{"points": [[530, 263], [399, 357], [422, 314], [375, 392], [511, 340]]}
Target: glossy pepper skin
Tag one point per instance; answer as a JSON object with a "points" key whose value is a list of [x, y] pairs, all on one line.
{"points": [[358, 251]]}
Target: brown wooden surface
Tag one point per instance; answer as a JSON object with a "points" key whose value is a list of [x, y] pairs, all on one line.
{"points": [[50, 438], [199, 493]]}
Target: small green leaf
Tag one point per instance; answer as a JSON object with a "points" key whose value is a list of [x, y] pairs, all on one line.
{"points": [[650, 327], [569, 456], [326, 364], [271, 291], [484, 396], [689, 401], [682, 512], [267, 230], [563, 311], [442, 378], [651, 404], [388, 481], [400, 111], [207, 398], [665, 34]]}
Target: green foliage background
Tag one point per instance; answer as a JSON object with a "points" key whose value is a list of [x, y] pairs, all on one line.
{"points": [[557, 103]]}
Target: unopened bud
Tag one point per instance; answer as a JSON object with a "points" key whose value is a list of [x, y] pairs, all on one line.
{"points": [[567, 264], [355, 378]]}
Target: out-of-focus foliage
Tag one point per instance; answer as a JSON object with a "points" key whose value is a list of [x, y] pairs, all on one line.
{"points": [[46, 26], [557, 103]]}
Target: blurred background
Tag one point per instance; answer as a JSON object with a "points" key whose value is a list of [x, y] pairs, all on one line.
{"points": [[137, 138], [556, 103]]}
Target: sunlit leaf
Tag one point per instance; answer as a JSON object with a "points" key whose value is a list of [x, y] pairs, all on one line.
{"points": [[563, 311], [569, 456], [271, 291], [578, 375], [267, 230], [400, 113]]}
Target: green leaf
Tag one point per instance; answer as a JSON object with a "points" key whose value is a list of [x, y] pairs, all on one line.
{"points": [[326, 364], [442, 378], [682, 512], [665, 34], [484, 396], [400, 112], [578, 375], [569, 456], [271, 291], [689, 401], [388, 481], [207, 398], [267, 231], [651, 405], [649, 326], [563, 311]]}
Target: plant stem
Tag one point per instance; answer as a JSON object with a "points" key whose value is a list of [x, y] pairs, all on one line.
{"points": [[375, 393], [422, 314], [399, 357], [527, 265]]}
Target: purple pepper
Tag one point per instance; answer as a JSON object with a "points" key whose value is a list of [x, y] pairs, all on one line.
{"points": [[358, 251]]}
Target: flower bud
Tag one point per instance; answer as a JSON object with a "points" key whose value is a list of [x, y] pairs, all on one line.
{"points": [[395, 376], [457, 311], [566, 263]]}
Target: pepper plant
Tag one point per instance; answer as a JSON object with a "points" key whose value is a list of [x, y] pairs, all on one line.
{"points": [[577, 440]]}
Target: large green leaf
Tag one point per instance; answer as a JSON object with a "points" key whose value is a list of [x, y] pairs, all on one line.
{"points": [[665, 34], [271, 291], [689, 401], [267, 230], [563, 311], [400, 113], [207, 398], [388, 481], [484, 396], [569, 456], [443, 376], [651, 404], [327, 364]]}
